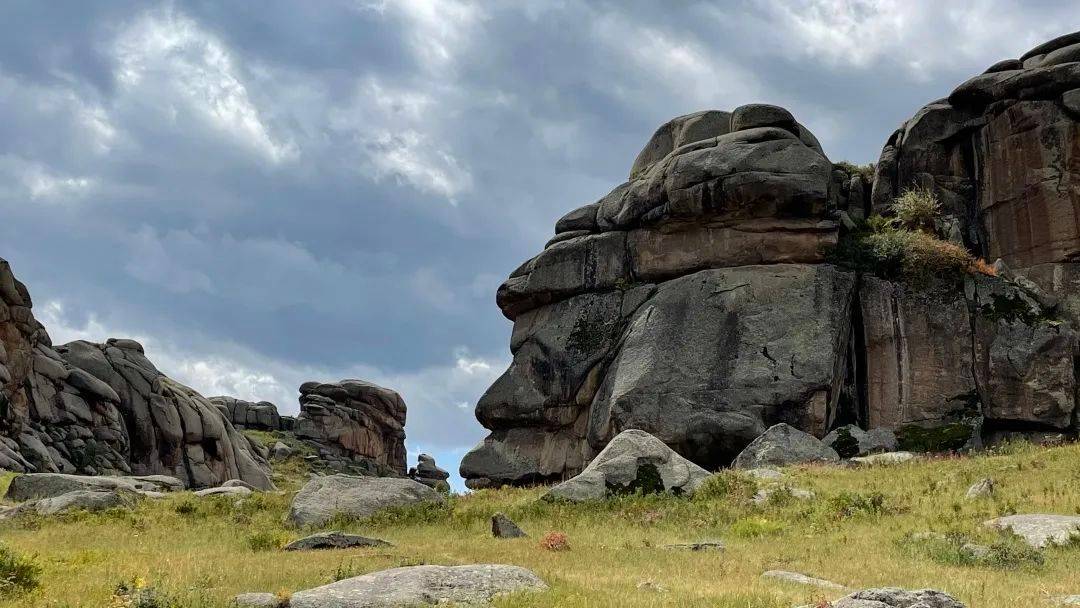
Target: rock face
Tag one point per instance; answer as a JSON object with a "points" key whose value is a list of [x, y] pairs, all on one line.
{"points": [[323, 498], [356, 426], [421, 586], [261, 416], [695, 301], [48, 485], [634, 461], [105, 409]]}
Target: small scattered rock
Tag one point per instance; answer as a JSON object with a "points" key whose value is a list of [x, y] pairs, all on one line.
{"points": [[334, 540], [764, 494], [280, 452], [984, 488], [651, 586], [764, 474], [886, 458], [706, 545], [421, 586], [224, 491], [258, 600], [892, 597], [783, 444], [972, 550], [801, 579], [1039, 530], [504, 527]]}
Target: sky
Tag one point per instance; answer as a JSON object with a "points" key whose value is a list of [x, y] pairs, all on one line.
{"points": [[266, 193]]}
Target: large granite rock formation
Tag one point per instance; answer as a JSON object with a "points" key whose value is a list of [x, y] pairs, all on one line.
{"points": [[696, 302], [356, 426], [261, 416], [105, 409]]}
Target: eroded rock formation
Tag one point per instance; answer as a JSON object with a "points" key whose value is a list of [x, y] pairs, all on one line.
{"points": [[105, 409], [356, 426], [696, 301]]}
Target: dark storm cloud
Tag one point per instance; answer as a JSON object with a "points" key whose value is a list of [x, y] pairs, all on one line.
{"points": [[279, 191]]}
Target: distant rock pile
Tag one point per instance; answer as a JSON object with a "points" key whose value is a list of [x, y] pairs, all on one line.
{"points": [[429, 474], [105, 409], [261, 416], [699, 301]]}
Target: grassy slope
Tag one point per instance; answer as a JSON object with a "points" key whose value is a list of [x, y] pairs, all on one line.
{"points": [[205, 557]]}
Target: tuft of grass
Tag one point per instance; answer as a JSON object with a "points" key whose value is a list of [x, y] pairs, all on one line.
{"points": [[756, 527], [267, 540], [857, 504], [18, 573], [729, 484], [956, 549], [917, 209], [5, 481]]}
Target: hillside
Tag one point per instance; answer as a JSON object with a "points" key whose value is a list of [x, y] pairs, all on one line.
{"points": [[855, 531]]}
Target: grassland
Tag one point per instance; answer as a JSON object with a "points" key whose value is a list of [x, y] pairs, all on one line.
{"points": [[200, 552]]}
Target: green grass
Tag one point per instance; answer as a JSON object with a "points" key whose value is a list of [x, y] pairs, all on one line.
{"points": [[198, 553]]}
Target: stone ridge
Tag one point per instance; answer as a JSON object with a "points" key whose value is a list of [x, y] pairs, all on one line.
{"points": [[106, 409]]}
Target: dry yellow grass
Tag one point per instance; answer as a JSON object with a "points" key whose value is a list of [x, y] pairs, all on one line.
{"points": [[204, 557]]}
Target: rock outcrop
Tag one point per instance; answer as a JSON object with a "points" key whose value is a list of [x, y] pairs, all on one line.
{"points": [[261, 416], [698, 301], [356, 426], [429, 474], [106, 409], [326, 497]]}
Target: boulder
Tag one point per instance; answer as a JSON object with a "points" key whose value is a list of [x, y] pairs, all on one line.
{"points": [[224, 491], [333, 540], [86, 500], [984, 488], [421, 586], [783, 445], [801, 579], [48, 485], [280, 452], [892, 597], [357, 424], [884, 458], [504, 527], [261, 416], [1040, 530], [868, 442], [633, 461], [429, 474], [323, 498]]}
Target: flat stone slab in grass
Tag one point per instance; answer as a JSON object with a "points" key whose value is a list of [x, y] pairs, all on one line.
{"points": [[885, 458], [892, 597], [334, 540], [801, 579], [224, 491], [322, 498], [34, 486], [79, 499], [1069, 600], [764, 474], [763, 495], [421, 586], [706, 545], [1040, 531]]}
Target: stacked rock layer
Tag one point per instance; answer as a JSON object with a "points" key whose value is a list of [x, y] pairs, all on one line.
{"points": [[105, 409], [695, 302]]}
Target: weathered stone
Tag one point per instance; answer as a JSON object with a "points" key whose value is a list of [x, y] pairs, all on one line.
{"points": [[1040, 531], [765, 495], [705, 545], [756, 115], [258, 600], [884, 458], [869, 442], [421, 586], [504, 527], [323, 498], [984, 488], [47, 485], [633, 461], [801, 579], [679, 132], [333, 540], [83, 500], [224, 491], [261, 416], [356, 420], [891, 597], [783, 445]]}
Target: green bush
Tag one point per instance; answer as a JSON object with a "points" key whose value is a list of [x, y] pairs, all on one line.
{"points": [[18, 573], [865, 171], [917, 209], [852, 504], [1007, 553], [755, 527]]}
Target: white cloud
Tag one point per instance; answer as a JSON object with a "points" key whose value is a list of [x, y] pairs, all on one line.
{"points": [[167, 57], [439, 30], [412, 157]]}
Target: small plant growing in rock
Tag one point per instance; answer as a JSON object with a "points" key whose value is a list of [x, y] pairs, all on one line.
{"points": [[555, 541], [917, 209], [18, 573]]}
